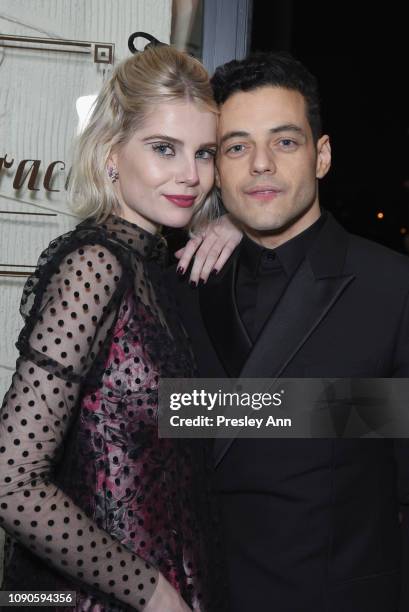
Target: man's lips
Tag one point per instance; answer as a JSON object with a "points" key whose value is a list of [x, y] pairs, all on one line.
{"points": [[183, 201], [263, 193]]}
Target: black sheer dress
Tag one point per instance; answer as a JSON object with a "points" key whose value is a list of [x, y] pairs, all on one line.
{"points": [[91, 498]]}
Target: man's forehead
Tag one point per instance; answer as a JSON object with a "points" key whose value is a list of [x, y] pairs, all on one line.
{"points": [[268, 105]]}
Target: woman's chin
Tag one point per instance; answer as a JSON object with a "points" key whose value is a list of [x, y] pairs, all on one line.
{"points": [[178, 220]]}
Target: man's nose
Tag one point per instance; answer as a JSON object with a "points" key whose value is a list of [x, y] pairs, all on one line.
{"points": [[262, 161]]}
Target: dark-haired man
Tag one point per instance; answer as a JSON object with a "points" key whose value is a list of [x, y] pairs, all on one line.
{"points": [[310, 525]]}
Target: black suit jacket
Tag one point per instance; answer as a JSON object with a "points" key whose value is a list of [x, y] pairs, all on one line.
{"points": [[312, 524]]}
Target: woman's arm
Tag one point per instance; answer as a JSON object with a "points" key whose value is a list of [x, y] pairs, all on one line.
{"points": [[71, 323], [211, 249]]}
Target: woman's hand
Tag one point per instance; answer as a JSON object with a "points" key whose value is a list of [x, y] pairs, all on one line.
{"points": [[165, 597], [211, 249]]}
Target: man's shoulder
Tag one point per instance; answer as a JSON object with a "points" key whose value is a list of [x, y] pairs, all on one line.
{"points": [[371, 256]]}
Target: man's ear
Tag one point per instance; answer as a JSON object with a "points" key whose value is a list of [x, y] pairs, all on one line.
{"points": [[323, 156]]}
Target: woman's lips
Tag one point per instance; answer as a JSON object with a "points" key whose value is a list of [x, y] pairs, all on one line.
{"points": [[182, 201]]}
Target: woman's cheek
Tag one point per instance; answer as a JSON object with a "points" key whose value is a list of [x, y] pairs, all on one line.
{"points": [[208, 180]]}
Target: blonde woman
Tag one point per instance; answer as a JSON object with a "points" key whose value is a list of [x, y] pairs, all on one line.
{"points": [[93, 500]]}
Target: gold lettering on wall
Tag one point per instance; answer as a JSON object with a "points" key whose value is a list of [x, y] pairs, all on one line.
{"points": [[32, 171], [7, 164], [28, 173], [49, 175]]}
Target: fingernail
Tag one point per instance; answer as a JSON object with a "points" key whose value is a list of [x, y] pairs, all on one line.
{"points": [[193, 284], [180, 270], [214, 272], [201, 282]]}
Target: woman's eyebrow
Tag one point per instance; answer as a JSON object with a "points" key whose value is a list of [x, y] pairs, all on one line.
{"points": [[163, 137], [173, 140], [210, 145]]}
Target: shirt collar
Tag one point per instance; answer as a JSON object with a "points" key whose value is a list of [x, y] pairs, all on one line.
{"points": [[260, 260]]}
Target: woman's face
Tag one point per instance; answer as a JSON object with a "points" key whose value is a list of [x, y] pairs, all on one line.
{"points": [[166, 169]]}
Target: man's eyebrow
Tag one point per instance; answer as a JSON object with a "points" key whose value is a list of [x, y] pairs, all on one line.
{"points": [[173, 140], [234, 134], [287, 127]]}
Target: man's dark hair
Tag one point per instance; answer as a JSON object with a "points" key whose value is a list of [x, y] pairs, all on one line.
{"points": [[275, 69]]}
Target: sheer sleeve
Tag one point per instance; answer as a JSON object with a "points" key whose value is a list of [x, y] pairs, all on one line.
{"points": [[65, 330]]}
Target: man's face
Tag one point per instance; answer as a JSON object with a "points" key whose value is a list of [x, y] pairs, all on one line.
{"points": [[268, 164]]}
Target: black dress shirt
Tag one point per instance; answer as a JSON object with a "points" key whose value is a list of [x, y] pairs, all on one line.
{"points": [[263, 275]]}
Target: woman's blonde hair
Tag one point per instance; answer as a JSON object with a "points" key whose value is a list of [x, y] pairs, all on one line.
{"points": [[157, 75]]}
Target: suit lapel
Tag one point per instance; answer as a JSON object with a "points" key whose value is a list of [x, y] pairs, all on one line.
{"points": [[314, 289], [303, 306], [222, 320]]}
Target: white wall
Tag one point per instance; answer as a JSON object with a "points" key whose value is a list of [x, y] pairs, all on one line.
{"points": [[38, 118]]}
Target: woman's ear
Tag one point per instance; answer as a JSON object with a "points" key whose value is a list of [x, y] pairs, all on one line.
{"points": [[323, 156], [112, 166], [112, 159]]}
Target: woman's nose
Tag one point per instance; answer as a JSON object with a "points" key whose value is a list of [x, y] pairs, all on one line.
{"points": [[188, 173]]}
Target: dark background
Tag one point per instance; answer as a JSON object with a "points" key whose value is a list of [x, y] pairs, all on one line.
{"points": [[361, 59]]}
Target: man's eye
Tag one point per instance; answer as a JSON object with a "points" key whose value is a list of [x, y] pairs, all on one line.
{"points": [[163, 148], [237, 148], [206, 154], [287, 143]]}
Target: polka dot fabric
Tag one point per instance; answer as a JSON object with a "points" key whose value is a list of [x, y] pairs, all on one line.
{"points": [[91, 499]]}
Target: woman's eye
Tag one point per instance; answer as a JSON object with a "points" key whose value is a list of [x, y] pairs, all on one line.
{"points": [[206, 154], [164, 148]]}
